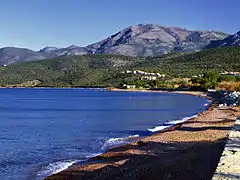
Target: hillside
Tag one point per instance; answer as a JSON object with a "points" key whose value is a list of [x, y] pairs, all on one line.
{"points": [[105, 70], [86, 70], [219, 59], [232, 40], [143, 40]]}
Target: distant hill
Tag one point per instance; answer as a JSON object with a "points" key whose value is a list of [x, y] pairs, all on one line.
{"points": [[11, 55], [105, 70], [232, 40], [141, 40], [68, 51], [48, 49]]}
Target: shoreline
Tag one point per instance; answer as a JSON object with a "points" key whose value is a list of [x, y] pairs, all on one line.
{"points": [[116, 158], [193, 93]]}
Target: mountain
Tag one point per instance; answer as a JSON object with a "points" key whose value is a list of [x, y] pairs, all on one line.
{"points": [[48, 49], [71, 51], [153, 40], [141, 40], [105, 70], [232, 40], [9, 55]]}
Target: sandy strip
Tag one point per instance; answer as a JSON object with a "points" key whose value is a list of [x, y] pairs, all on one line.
{"points": [[188, 151], [194, 93]]}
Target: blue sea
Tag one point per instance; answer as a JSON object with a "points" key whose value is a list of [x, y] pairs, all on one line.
{"points": [[43, 131]]}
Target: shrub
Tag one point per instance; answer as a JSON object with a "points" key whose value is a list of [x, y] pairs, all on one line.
{"points": [[227, 78]]}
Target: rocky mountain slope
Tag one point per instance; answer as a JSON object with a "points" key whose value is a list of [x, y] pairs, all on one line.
{"points": [[139, 40], [154, 40], [232, 40]]}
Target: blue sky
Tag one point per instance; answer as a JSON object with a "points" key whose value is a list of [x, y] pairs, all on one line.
{"points": [[37, 23]]}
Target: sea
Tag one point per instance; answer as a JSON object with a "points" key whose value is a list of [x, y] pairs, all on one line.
{"points": [[46, 130]]}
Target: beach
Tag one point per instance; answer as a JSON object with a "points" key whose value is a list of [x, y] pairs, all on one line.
{"points": [[189, 150]]}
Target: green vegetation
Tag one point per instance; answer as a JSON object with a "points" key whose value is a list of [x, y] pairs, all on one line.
{"points": [[214, 80], [228, 78], [187, 65], [105, 70], [208, 80], [87, 70]]}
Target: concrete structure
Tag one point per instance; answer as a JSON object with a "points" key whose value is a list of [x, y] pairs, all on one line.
{"points": [[229, 164]]}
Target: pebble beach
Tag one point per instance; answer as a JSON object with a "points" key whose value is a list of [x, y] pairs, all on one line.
{"points": [[189, 150]]}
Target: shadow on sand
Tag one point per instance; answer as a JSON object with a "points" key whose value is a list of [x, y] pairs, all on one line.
{"points": [[156, 160], [193, 161]]}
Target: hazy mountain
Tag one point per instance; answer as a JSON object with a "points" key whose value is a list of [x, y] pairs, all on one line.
{"points": [[9, 55], [68, 51], [72, 50], [138, 40], [232, 40], [48, 49]]}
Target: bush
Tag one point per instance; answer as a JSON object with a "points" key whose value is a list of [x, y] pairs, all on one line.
{"points": [[227, 78]]}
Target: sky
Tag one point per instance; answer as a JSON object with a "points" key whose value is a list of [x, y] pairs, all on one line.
{"points": [[35, 24]]}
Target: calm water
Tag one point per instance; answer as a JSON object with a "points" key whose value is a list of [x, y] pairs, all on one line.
{"points": [[45, 130]]}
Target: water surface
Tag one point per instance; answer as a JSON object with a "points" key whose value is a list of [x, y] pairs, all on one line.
{"points": [[46, 130]]}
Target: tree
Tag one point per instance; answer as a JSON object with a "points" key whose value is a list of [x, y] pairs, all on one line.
{"points": [[121, 85], [139, 83], [208, 80]]}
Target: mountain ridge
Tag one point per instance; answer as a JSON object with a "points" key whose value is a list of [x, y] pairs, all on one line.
{"points": [[232, 40], [142, 40], [152, 40]]}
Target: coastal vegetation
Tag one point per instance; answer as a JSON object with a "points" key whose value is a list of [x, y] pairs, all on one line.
{"points": [[181, 70]]}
